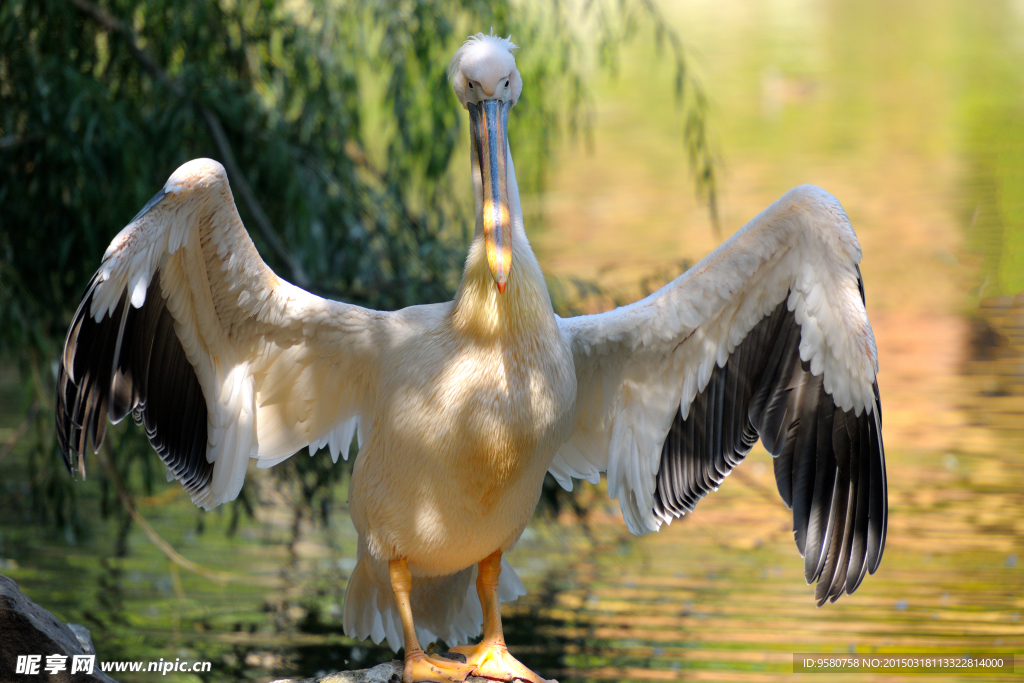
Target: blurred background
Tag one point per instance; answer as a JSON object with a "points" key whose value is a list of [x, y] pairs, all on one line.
{"points": [[647, 133]]}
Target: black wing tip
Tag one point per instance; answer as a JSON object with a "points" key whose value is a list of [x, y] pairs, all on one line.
{"points": [[863, 542], [93, 385], [81, 400], [829, 463]]}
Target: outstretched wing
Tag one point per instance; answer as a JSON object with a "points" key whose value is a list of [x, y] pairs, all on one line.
{"points": [[185, 327], [767, 337]]}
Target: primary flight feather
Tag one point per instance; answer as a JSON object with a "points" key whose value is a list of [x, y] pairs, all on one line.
{"points": [[461, 408]]}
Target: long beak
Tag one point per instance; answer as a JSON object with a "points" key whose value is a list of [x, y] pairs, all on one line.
{"points": [[489, 122]]}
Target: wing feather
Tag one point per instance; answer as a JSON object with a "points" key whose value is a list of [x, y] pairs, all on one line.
{"points": [[766, 338], [186, 328]]}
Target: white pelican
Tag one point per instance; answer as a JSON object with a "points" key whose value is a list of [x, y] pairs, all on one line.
{"points": [[461, 408]]}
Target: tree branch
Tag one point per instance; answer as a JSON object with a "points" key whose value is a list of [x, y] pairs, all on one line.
{"points": [[110, 24], [156, 539], [298, 273]]}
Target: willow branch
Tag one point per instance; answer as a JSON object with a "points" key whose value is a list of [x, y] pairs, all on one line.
{"points": [[155, 538], [695, 133], [110, 24]]}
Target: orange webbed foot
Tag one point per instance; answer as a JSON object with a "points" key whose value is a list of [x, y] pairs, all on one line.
{"points": [[422, 668], [492, 660]]}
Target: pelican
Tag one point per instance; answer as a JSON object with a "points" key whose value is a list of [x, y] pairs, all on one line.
{"points": [[461, 408]]}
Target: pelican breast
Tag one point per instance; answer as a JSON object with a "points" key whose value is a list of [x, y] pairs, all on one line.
{"points": [[473, 424]]}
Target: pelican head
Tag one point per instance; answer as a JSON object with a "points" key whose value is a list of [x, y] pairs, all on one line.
{"points": [[487, 83]]}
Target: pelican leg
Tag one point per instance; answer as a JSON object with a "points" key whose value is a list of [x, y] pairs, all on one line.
{"points": [[491, 657], [420, 667]]}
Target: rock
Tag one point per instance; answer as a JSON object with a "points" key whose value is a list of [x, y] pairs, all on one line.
{"points": [[84, 638], [28, 629], [391, 672], [382, 673]]}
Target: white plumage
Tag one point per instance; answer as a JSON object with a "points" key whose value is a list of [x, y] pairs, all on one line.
{"points": [[801, 249], [461, 408]]}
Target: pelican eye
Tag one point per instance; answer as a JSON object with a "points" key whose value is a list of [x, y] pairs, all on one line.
{"points": [[470, 85], [506, 82]]}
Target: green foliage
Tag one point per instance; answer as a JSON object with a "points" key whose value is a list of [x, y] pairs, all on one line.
{"points": [[334, 119]]}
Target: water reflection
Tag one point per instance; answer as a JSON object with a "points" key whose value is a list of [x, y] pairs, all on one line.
{"points": [[994, 371], [719, 596]]}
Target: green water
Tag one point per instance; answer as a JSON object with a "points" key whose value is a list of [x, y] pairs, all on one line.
{"points": [[912, 113]]}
